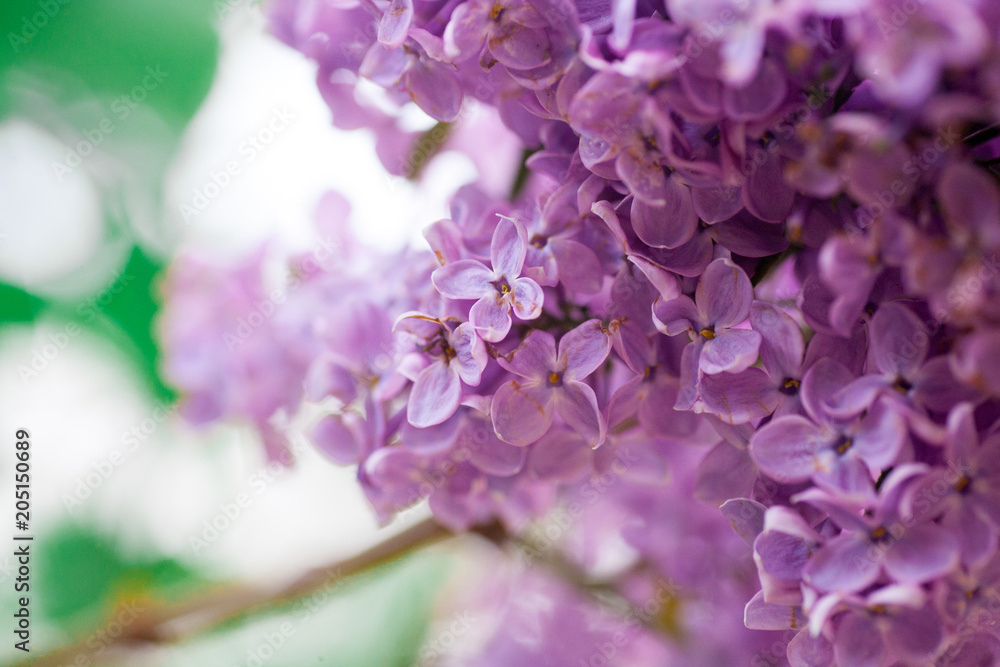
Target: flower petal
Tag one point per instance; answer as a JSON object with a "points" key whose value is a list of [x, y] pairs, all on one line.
{"points": [[464, 35], [807, 651], [938, 389], [978, 650], [433, 440], [534, 358], [765, 193], [899, 340], [584, 349], [921, 554], [395, 22], [327, 377], [724, 294], [737, 398], [493, 456], [577, 405], [731, 351], [881, 436], [977, 536], [522, 412], [579, 268], [655, 414], [786, 449], [847, 563], [560, 456], [746, 235], [781, 346], [913, 635], [470, 353], [643, 175], [688, 259], [434, 397], [745, 516], [526, 298], [464, 279], [417, 324], [856, 397], [491, 317], [687, 390], [820, 383], [662, 280], [666, 225], [435, 89], [519, 47], [716, 203], [333, 437], [508, 248], [782, 555], [675, 316], [974, 361], [623, 18], [760, 615], [726, 471], [859, 643], [759, 96]]}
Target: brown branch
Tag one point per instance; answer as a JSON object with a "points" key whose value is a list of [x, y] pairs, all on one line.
{"points": [[159, 624], [603, 593], [163, 623]]}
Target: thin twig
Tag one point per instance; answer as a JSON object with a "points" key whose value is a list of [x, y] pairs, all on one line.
{"points": [[171, 624], [165, 624]]}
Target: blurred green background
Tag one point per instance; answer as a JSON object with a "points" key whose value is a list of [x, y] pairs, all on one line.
{"points": [[75, 61]]}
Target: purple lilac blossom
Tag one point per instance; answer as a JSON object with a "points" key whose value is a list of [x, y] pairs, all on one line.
{"points": [[808, 190]]}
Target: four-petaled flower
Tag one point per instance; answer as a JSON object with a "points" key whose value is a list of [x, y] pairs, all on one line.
{"points": [[522, 409], [883, 539], [458, 355], [499, 290], [721, 301], [514, 33]]}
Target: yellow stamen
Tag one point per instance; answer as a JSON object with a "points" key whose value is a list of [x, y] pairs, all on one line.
{"points": [[797, 56]]}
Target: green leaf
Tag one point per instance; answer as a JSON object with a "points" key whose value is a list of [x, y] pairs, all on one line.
{"points": [[82, 576], [106, 46], [16, 305], [130, 304]]}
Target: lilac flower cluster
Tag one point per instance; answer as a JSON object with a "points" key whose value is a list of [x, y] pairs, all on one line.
{"points": [[752, 252]]}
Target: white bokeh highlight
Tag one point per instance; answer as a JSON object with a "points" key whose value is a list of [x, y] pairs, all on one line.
{"points": [[51, 224]]}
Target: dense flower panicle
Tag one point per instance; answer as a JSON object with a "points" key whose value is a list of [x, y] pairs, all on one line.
{"points": [[747, 272]]}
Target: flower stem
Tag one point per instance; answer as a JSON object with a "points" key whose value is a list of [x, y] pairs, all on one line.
{"points": [[160, 625]]}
